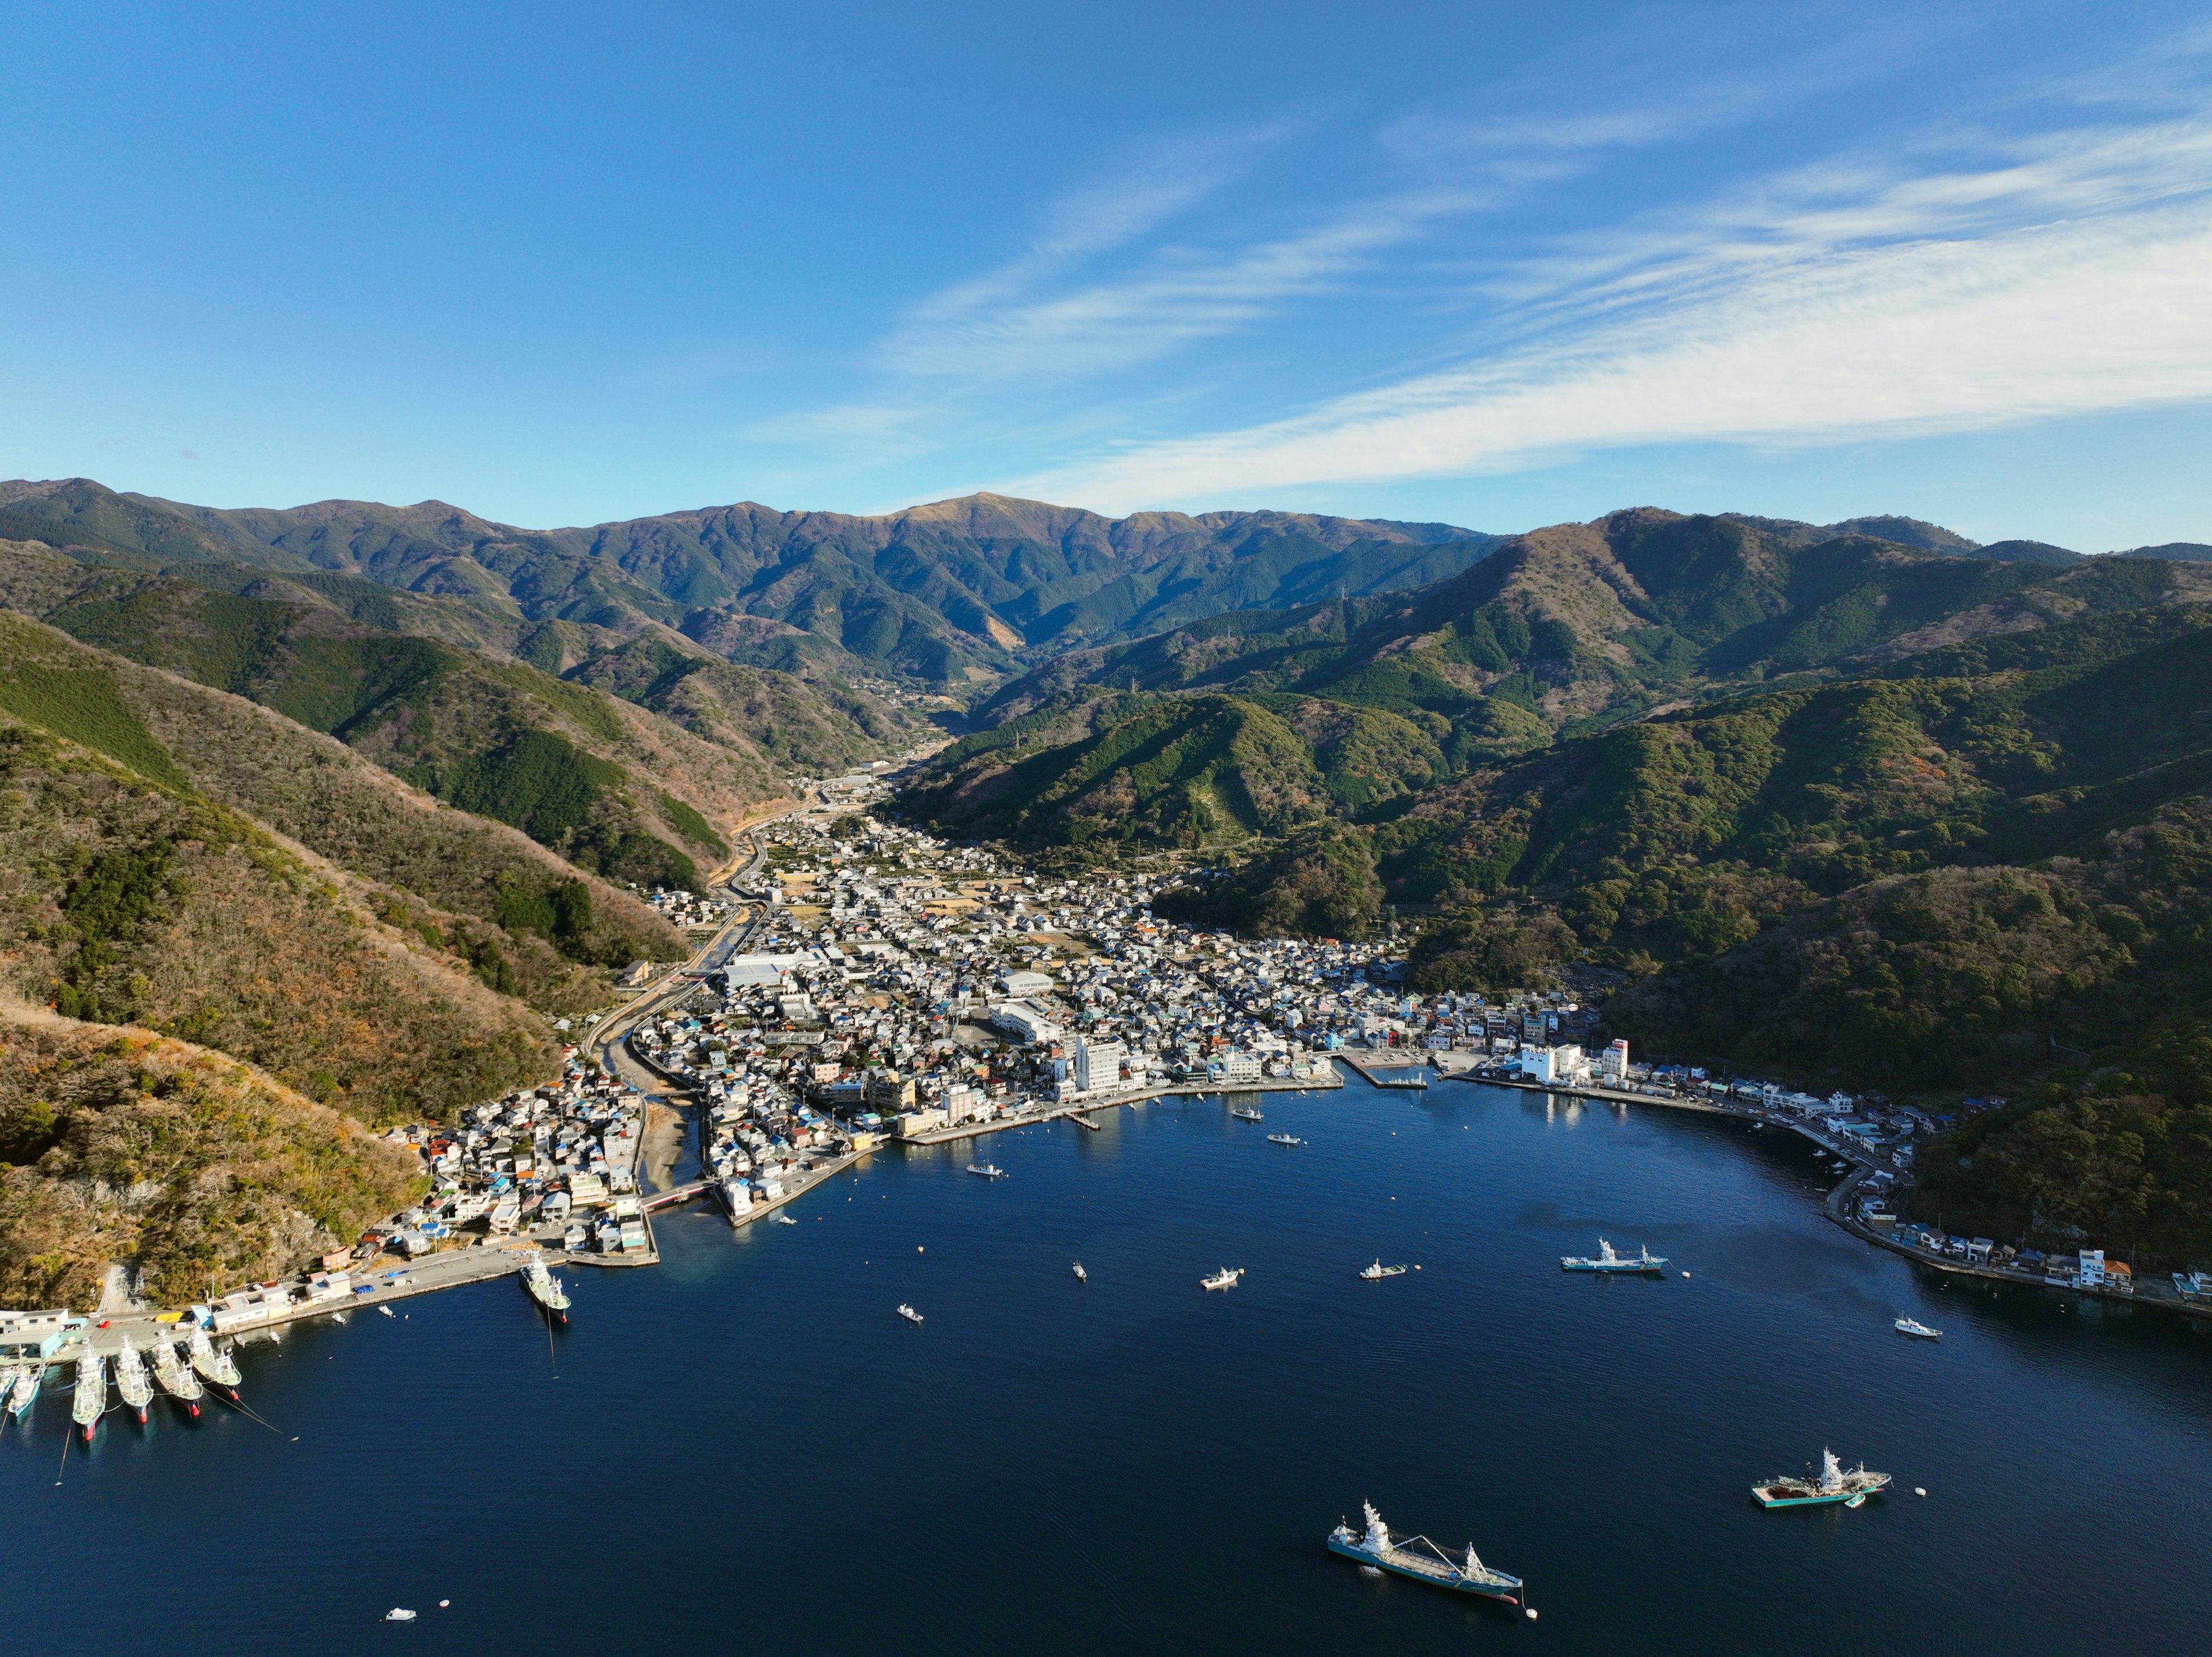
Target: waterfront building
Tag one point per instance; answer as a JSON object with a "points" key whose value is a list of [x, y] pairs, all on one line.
{"points": [[1098, 1064]]}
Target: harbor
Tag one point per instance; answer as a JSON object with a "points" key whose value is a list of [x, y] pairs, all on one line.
{"points": [[1112, 1400]]}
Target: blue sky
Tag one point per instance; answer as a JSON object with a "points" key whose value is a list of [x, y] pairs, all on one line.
{"points": [[1493, 264]]}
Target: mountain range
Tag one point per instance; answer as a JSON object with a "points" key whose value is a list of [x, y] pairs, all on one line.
{"points": [[321, 818]]}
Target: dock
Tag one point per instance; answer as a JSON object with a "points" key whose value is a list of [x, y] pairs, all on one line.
{"points": [[940, 1136], [1367, 1067]]}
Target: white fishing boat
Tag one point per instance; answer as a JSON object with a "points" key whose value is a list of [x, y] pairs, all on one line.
{"points": [[387, 1311], [26, 1391], [909, 1313], [90, 1397], [1422, 1560], [544, 1288], [1246, 1113], [1225, 1279], [1606, 1260], [176, 1377], [1378, 1272], [214, 1363], [785, 1219], [1285, 1139], [1835, 1483], [131, 1380], [988, 1170], [1914, 1327], [1081, 1276]]}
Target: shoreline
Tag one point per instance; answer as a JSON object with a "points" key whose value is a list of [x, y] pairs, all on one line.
{"points": [[1836, 1204]]}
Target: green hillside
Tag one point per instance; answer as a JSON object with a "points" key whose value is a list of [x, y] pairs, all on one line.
{"points": [[615, 791]]}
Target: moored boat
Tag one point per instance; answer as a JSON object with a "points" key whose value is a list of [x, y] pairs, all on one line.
{"points": [[26, 1391], [1246, 1113], [1225, 1279], [90, 1397], [544, 1288], [1914, 1327], [1378, 1272], [988, 1170], [215, 1364], [1285, 1139], [131, 1379], [909, 1313], [1081, 1276], [1422, 1560], [176, 1377], [1607, 1260], [1833, 1484]]}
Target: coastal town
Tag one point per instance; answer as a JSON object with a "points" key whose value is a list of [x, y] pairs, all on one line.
{"points": [[860, 983]]}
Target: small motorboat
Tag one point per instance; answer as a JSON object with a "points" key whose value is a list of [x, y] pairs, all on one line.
{"points": [[1225, 1279], [1914, 1327], [1246, 1113], [785, 1219], [1378, 1272], [988, 1170], [387, 1311], [909, 1313], [1285, 1139], [1081, 1276], [398, 1614]]}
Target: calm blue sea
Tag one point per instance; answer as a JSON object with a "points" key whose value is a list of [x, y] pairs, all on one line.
{"points": [[746, 1449]]}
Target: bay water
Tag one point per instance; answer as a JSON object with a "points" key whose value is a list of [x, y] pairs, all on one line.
{"points": [[747, 1449]]}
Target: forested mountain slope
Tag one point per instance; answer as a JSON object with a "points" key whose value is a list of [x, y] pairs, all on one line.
{"points": [[942, 593], [201, 1173], [613, 788]]}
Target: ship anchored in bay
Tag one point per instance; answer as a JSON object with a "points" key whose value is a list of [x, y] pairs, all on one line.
{"points": [[1424, 1560], [1607, 1260], [1833, 1484]]}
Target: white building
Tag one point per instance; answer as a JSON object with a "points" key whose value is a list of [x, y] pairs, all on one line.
{"points": [[1240, 1066], [1098, 1064], [1612, 1064], [1565, 1064], [1026, 1022]]}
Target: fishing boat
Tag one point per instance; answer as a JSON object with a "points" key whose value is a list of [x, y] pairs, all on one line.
{"points": [[1225, 1279], [988, 1170], [26, 1391], [544, 1288], [91, 1395], [387, 1311], [131, 1380], [1914, 1327], [214, 1365], [1606, 1260], [176, 1377], [909, 1313], [785, 1219], [1246, 1113], [1285, 1139], [1834, 1484], [1081, 1276], [1378, 1272], [1422, 1560]]}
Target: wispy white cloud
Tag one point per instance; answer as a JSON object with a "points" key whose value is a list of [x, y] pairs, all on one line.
{"points": [[988, 333], [2063, 274]]}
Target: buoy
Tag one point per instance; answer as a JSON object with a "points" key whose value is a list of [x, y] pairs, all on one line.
{"points": [[1417, 1268], [1916, 1491], [919, 1249], [442, 1604], [1685, 1274], [1532, 1613]]}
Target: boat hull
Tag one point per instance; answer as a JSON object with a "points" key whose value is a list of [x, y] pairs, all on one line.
{"points": [[1462, 1585], [1814, 1498]]}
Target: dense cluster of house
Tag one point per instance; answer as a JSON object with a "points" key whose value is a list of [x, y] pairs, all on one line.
{"points": [[556, 1162]]}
